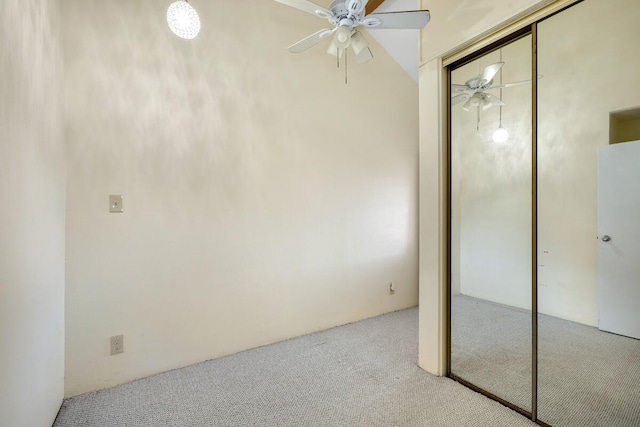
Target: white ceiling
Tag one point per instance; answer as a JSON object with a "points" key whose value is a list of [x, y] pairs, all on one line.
{"points": [[402, 45]]}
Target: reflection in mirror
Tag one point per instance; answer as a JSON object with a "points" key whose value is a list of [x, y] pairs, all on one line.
{"points": [[491, 223], [589, 187]]}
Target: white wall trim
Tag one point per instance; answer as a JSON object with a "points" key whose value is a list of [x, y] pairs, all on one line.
{"points": [[432, 219]]}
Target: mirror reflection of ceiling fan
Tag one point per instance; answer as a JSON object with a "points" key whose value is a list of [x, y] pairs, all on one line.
{"points": [[474, 90], [345, 16]]}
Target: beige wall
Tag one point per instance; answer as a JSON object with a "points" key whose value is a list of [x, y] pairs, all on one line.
{"points": [[32, 216], [264, 198]]}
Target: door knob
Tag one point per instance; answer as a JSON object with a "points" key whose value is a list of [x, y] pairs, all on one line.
{"points": [[606, 238]]}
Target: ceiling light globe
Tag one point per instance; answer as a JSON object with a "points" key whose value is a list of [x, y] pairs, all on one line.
{"points": [[358, 43], [501, 135], [183, 20], [486, 103], [343, 37]]}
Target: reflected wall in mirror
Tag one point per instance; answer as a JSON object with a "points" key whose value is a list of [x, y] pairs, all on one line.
{"points": [[491, 223], [588, 56]]}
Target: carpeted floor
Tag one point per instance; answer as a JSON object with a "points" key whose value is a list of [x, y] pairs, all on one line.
{"points": [[587, 378], [362, 374], [491, 348]]}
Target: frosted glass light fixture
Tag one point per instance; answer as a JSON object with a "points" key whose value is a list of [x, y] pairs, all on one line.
{"points": [[183, 19], [500, 135]]}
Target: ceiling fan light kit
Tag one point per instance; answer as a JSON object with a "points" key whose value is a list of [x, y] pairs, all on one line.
{"points": [[358, 43], [500, 135], [342, 38], [475, 96], [183, 20], [345, 16]]}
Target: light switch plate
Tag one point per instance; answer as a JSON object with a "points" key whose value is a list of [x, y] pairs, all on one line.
{"points": [[115, 203]]}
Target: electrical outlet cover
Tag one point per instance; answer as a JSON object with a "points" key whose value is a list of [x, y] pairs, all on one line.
{"points": [[115, 203], [117, 344]]}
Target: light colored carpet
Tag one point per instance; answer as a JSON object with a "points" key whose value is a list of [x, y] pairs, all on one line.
{"points": [[491, 348], [362, 374], [587, 378]]}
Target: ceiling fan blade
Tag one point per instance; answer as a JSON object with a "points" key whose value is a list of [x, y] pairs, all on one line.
{"points": [[309, 7], [494, 99], [522, 82], [409, 20], [459, 88], [490, 71], [310, 41], [460, 98]]}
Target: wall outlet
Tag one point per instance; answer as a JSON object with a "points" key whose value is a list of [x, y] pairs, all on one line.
{"points": [[392, 288], [117, 344], [115, 203]]}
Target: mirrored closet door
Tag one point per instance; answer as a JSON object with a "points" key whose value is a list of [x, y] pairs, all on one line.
{"points": [[544, 230], [589, 188], [491, 223]]}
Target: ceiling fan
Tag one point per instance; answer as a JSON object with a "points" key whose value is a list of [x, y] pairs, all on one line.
{"points": [[474, 90], [345, 16]]}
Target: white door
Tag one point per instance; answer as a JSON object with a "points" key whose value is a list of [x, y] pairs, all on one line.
{"points": [[619, 238]]}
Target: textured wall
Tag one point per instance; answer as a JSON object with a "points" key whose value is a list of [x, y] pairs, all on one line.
{"points": [[32, 186], [264, 198]]}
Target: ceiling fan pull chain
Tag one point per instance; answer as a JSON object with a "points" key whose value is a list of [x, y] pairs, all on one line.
{"points": [[500, 124], [345, 66]]}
